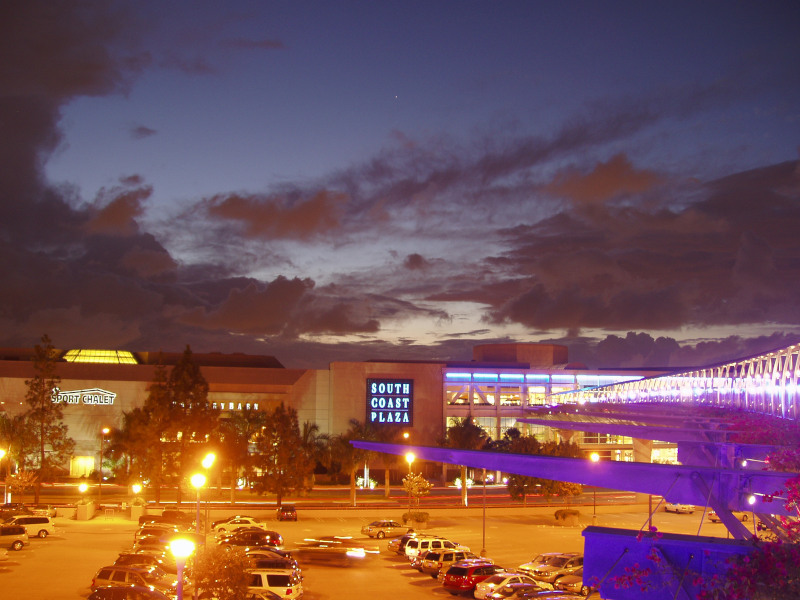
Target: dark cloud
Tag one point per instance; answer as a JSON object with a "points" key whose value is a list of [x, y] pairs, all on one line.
{"points": [[415, 261], [280, 217], [140, 132]]}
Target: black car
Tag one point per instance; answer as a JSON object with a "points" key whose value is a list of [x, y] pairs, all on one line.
{"points": [[248, 538], [132, 592], [287, 512]]}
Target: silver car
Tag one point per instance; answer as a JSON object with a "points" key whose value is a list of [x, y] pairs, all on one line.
{"points": [[384, 528]]}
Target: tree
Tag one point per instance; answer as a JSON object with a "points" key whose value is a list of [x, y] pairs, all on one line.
{"points": [[313, 444], [149, 426], [21, 481], [191, 419], [221, 573], [280, 457], [390, 434], [234, 435], [416, 486], [465, 435], [44, 418], [345, 457]]}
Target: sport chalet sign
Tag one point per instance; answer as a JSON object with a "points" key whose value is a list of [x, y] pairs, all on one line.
{"points": [[390, 401], [94, 396]]}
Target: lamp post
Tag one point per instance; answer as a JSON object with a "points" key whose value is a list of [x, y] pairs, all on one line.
{"points": [[103, 433], [181, 549], [595, 458], [483, 545], [208, 461], [410, 460], [5, 483], [198, 481]]}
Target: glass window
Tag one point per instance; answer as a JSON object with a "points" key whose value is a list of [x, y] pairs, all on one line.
{"points": [[484, 395]]}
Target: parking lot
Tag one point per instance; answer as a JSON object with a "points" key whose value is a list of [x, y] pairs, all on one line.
{"points": [[61, 566]]}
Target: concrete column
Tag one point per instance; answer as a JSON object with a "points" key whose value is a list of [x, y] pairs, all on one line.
{"points": [[642, 452]]}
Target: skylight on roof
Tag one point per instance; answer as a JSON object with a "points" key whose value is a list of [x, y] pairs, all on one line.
{"points": [[116, 357]]}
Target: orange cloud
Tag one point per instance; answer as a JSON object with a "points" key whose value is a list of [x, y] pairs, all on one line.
{"points": [[608, 180]]}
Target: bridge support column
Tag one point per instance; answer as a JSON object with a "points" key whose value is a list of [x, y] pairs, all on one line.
{"points": [[642, 452]]}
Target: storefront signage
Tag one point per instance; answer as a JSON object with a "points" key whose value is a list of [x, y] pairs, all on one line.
{"points": [[91, 396], [390, 401]]}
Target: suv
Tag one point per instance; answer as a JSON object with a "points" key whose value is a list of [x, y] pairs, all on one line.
{"points": [[34, 525], [425, 543], [563, 564], [13, 536], [437, 560], [465, 575], [541, 560], [399, 544], [124, 576], [284, 582]]}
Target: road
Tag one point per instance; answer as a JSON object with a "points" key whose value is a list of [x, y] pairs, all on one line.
{"points": [[61, 567]]}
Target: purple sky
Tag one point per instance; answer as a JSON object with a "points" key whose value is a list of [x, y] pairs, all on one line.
{"points": [[325, 181]]}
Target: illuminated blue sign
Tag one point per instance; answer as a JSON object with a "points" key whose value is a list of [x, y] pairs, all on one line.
{"points": [[390, 401]]}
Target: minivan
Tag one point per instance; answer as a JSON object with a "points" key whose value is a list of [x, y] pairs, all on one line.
{"points": [[35, 525]]}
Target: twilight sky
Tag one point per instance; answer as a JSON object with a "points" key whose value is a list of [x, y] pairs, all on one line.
{"points": [[324, 181]]}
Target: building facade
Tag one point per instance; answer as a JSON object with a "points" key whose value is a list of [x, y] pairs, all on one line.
{"points": [[424, 397]]}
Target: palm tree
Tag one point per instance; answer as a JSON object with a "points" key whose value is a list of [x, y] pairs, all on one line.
{"points": [[313, 445], [466, 435], [235, 434], [346, 456]]}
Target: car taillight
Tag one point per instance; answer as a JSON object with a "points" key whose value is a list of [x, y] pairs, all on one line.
{"points": [[440, 565], [288, 591]]}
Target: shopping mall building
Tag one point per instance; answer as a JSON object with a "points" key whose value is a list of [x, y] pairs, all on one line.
{"points": [[425, 397]]}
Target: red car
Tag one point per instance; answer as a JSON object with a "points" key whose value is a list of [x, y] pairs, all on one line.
{"points": [[464, 575]]}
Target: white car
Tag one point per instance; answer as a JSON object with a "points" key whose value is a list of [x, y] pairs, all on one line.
{"points": [[423, 544], [488, 586], [239, 523], [679, 508]]}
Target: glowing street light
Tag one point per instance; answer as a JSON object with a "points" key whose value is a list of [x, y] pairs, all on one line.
{"points": [[136, 488], [208, 461], [198, 481], [181, 549]]}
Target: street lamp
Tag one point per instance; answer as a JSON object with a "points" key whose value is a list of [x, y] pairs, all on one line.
{"points": [[208, 461], [5, 483], [198, 481], [410, 460], [181, 549], [483, 546], [595, 458], [103, 434]]}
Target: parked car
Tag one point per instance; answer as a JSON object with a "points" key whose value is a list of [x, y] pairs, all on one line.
{"points": [[251, 538], [384, 528], [184, 522], [284, 582], [287, 512], [163, 531], [463, 576], [146, 559], [215, 524], [45, 510], [131, 592], [435, 560], [573, 583], [145, 576], [35, 526], [520, 590], [14, 537], [238, 523], [679, 508], [564, 564], [416, 562], [423, 543], [398, 545], [713, 516], [539, 561], [488, 586]]}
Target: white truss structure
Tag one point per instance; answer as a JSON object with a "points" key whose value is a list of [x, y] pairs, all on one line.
{"points": [[765, 384]]}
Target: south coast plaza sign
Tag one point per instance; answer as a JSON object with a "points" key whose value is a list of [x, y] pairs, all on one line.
{"points": [[390, 401], [91, 396]]}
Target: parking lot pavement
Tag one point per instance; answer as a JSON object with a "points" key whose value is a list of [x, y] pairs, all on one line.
{"points": [[61, 567]]}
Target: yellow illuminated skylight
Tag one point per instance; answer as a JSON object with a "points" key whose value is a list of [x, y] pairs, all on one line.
{"points": [[117, 357]]}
